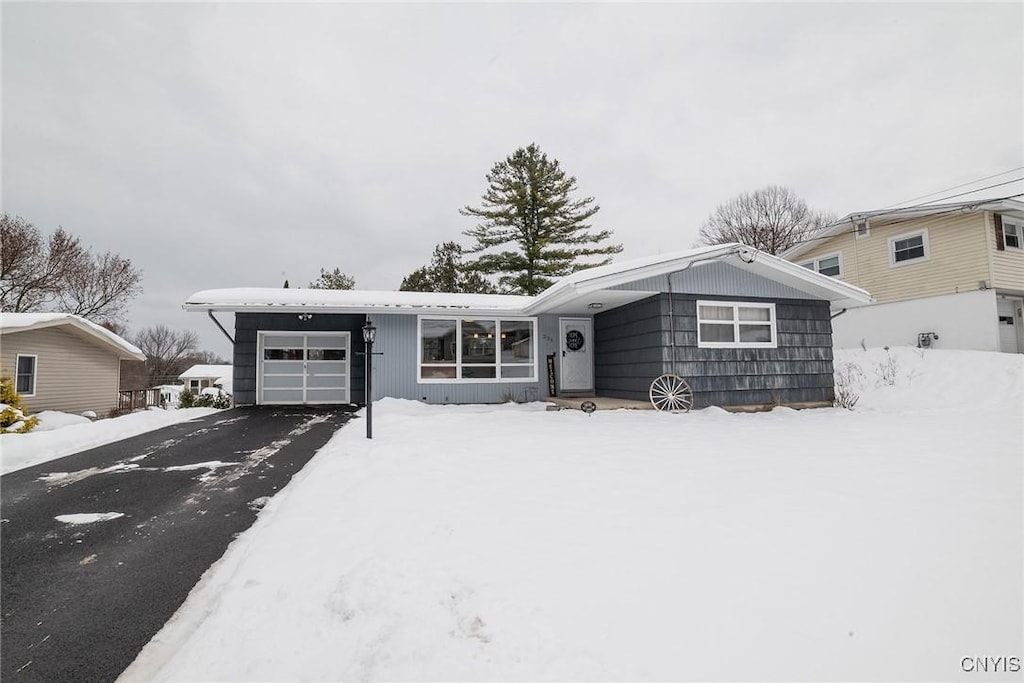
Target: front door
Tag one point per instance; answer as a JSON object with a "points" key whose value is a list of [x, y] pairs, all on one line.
{"points": [[577, 354], [1010, 332], [295, 367]]}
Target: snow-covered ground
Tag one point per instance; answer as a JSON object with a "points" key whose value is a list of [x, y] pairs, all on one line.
{"points": [[59, 434], [509, 543]]}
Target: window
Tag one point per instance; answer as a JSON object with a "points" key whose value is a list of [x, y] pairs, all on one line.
{"points": [[477, 349], [826, 265], [726, 324], [908, 248], [25, 383], [1013, 233]]}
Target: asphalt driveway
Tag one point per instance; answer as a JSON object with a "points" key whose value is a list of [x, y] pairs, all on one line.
{"points": [[78, 601]]}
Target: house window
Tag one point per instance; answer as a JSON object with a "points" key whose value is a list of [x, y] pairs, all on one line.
{"points": [[909, 248], [477, 349], [826, 265], [193, 385], [727, 324], [25, 382], [1012, 234]]}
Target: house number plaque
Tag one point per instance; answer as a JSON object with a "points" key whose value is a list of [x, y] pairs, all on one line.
{"points": [[574, 340]]}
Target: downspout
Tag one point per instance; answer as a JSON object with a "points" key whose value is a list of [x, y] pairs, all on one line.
{"points": [[216, 322], [833, 317]]}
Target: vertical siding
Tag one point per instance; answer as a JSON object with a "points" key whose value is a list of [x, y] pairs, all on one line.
{"points": [[798, 371], [958, 257], [72, 375], [395, 373], [1007, 265], [720, 279], [247, 325]]}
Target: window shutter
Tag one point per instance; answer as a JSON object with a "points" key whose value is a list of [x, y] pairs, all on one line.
{"points": [[1000, 242]]}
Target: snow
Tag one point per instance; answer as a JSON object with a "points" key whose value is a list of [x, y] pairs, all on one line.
{"points": [[509, 543], [54, 419], [88, 517], [24, 450], [266, 298], [13, 322]]}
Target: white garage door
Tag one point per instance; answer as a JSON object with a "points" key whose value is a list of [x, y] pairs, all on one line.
{"points": [[295, 367]]}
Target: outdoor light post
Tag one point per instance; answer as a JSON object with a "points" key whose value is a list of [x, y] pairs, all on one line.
{"points": [[369, 334]]}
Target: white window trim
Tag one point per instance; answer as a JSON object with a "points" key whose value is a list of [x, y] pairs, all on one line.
{"points": [[35, 373], [815, 263], [458, 379], [1019, 225], [893, 263], [736, 322]]}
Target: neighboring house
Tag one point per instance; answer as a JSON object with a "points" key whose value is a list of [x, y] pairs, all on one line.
{"points": [[743, 327], [949, 275], [200, 377], [63, 362]]}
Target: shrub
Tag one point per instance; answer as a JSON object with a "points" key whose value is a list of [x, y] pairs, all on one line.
{"points": [[220, 400], [888, 370], [848, 375], [186, 399], [13, 418]]}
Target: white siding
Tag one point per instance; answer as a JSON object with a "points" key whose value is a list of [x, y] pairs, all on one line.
{"points": [[72, 375]]}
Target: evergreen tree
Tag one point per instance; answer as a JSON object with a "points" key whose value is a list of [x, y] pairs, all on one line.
{"points": [[285, 284], [334, 279], [446, 273], [527, 209]]}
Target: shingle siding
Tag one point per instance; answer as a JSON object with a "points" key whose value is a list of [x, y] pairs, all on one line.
{"points": [[639, 347]]}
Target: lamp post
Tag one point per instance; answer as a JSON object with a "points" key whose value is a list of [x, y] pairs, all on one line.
{"points": [[369, 335]]}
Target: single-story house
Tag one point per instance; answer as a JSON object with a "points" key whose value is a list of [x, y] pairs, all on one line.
{"points": [[744, 328], [63, 362], [200, 377]]}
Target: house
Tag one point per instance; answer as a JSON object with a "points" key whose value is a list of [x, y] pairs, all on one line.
{"points": [[63, 362], [199, 377], [744, 328], [948, 275]]}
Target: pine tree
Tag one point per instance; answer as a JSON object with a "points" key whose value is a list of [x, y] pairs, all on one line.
{"points": [[446, 273], [527, 206], [334, 279]]}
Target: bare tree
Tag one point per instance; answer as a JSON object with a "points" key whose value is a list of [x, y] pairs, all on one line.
{"points": [[168, 352], [60, 274], [771, 219]]}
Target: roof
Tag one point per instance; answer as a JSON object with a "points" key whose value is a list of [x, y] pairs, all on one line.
{"points": [[205, 371], [11, 323], [1006, 206], [256, 299], [570, 291], [569, 294]]}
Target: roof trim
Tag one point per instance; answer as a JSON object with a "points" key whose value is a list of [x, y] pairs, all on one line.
{"points": [[124, 349]]}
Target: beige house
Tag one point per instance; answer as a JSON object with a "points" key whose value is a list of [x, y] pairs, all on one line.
{"points": [[63, 362], [948, 275]]}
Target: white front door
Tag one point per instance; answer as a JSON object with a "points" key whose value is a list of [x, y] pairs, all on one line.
{"points": [[1010, 333], [296, 367], [577, 354]]}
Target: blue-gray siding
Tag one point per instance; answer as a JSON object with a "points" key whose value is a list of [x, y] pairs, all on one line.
{"points": [[395, 372], [717, 279], [634, 344]]}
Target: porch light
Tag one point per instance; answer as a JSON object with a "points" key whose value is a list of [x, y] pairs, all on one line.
{"points": [[305, 317], [369, 333]]}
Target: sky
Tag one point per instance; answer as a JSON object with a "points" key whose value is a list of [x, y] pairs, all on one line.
{"points": [[243, 144]]}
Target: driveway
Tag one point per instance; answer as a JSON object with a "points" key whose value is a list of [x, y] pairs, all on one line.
{"points": [[80, 600]]}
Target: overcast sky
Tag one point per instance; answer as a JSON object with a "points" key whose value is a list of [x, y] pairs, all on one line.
{"points": [[242, 144]]}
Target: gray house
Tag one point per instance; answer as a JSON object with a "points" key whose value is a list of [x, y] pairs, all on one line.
{"points": [[743, 328]]}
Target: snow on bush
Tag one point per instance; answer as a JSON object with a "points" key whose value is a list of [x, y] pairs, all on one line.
{"points": [[13, 417]]}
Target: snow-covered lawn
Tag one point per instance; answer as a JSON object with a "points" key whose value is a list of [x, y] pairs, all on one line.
{"points": [[59, 434], [512, 543]]}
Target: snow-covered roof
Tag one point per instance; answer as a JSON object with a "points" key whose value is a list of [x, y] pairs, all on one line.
{"points": [[11, 323], [568, 292], [206, 372], [1007, 206], [267, 299]]}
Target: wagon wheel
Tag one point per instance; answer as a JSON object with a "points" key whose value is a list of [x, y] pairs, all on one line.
{"points": [[671, 393]]}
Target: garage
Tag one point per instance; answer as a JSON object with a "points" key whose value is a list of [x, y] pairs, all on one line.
{"points": [[301, 368]]}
